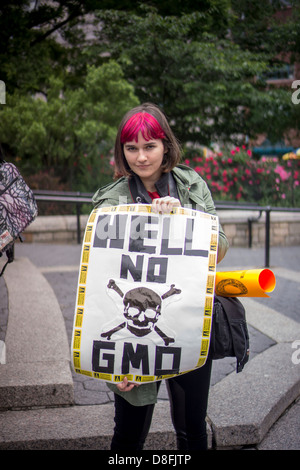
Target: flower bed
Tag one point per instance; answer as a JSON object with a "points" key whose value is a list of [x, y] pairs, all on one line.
{"points": [[234, 175]]}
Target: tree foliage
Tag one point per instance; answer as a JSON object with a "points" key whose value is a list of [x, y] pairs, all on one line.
{"points": [[205, 83], [70, 129], [202, 61]]}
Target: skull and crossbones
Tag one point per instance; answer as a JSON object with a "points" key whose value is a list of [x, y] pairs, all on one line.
{"points": [[142, 308]]}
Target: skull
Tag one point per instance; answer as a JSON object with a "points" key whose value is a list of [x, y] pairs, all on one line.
{"points": [[142, 307]]}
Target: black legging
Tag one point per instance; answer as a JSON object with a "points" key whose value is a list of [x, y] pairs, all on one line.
{"points": [[188, 395]]}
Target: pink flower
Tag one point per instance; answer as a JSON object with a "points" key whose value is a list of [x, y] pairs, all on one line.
{"points": [[187, 162], [284, 175], [232, 152], [249, 153], [230, 159]]}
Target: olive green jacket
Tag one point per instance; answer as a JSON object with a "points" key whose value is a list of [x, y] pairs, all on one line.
{"points": [[193, 192]]}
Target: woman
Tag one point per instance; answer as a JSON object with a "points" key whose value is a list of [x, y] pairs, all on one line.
{"points": [[147, 159]]}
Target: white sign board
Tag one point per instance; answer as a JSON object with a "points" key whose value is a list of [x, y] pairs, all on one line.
{"points": [[145, 293]]}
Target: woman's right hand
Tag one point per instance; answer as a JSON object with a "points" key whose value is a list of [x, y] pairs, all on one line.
{"points": [[165, 205]]}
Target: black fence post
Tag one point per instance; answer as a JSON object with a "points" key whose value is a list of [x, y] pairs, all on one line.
{"points": [[78, 211]]}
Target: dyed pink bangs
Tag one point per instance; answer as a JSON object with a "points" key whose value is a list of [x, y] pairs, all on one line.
{"points": [[144, 123]]}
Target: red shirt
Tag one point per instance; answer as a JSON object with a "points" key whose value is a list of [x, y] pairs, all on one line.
{"points": [[153, 195]]}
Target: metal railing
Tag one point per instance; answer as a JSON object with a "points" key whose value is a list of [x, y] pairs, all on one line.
{"points": [[78, 199], [261, 209], [75, 198]]}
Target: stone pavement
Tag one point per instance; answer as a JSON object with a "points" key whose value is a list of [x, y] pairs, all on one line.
{"points": [[257, 408]]}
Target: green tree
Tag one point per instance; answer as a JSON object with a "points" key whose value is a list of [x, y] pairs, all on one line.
{"points": [[70, 129], [203, 61], [203, 81], [39, 39], [257, 26]]}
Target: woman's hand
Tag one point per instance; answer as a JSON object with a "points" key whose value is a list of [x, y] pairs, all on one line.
{"points": [[165, 205], [126, 386]]}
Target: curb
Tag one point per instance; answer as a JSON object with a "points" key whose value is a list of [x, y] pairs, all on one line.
{"points": [[268, 385], [37, 369], [76, 428], [255, 399]]}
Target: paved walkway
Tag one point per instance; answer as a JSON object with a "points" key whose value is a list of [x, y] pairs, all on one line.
{"points": [[59, 265]]}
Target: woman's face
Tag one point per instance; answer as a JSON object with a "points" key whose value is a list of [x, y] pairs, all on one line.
{"points": [[144, 158]]}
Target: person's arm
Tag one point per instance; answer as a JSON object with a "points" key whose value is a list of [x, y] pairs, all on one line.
{"points": [[223, 244]]}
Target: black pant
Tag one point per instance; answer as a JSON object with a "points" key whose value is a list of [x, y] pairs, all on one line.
{"points": [[188, 395]]}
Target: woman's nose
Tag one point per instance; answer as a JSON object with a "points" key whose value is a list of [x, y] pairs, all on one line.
{"points": [[142, 155]]}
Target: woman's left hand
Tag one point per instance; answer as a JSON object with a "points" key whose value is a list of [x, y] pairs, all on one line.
{"points": [[126, 386], [165, 205]]}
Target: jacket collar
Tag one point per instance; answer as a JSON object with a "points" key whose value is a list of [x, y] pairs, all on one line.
{"points": [[165, 186]]}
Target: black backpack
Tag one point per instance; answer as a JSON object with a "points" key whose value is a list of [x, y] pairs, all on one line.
{"points": [[229, 333]]}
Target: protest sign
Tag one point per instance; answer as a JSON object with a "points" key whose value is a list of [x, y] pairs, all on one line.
{"points": [[145, 293]]}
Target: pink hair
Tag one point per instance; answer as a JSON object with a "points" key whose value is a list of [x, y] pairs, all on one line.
{"points": [[144, 122]]}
